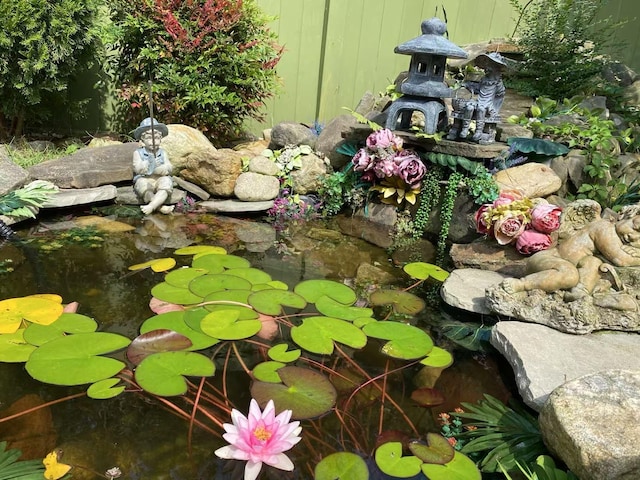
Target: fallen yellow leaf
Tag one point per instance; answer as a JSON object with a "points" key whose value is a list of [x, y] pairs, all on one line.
{"points": [[53, 469]]}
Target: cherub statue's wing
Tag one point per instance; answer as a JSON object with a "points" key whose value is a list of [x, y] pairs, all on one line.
{"points": [[578, 214]]}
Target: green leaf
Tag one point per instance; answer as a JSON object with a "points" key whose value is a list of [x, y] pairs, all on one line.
{"points": [[172, 294], [226, 325], [104, 389], [312, 290], [14, 348], [182, 277], [200, 249], [317, 334], [438, 357], [37, 334], [281, 353], [405, 341], [422, 271], [329, 307], [460, 468], [438, 450], [390, 461], [253, 275], [341, 466], [163, 373], [271, 302], [402, 302], [539, 146], [217, 263], [176, 321], [210, 283], [268, 371]]}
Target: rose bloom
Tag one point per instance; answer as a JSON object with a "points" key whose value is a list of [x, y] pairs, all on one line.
{"points": [[545, 217], [481, 226], [383, 138], [506, 229], [508, 196], [362, 161], [410, 168], [385, 168], [532, 241]]}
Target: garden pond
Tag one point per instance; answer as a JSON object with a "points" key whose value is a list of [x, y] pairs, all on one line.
{"points": [[85, 258]]}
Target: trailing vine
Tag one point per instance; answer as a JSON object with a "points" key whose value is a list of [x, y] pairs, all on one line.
{"points": [[429, 196], [446, 213]]}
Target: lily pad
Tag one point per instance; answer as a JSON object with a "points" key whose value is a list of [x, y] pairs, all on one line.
{"points": [[307, 393], [390, 461], [206, 284], [402, 302], [281, 353], [253, 275], [422, 271], [200, 249], [427, 397], [105, 389], [37, 334], [268, 371], [438, 450], [75, 359], [277, 284], [317, 334], [312, 290], [231, 300], [41, 310], [226, 325], [438, 357], [216, 263], [156, 341], [176, 321], [182, 277], [172, 294], [331, 308], [405, 341], [163, 373], [460, 468], [157, 264], [270, 302], [14, 348], [341, 466]]}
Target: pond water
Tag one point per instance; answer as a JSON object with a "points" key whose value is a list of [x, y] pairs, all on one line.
{"points": [[85, 259]]}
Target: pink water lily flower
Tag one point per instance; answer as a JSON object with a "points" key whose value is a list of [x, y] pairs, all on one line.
{"points": [[260, 437]]}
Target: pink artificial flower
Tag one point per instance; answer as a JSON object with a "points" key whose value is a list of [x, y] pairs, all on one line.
{"points": [[362, 161], [383, 138], [260, 437], [545, 217], [532, 241], [410, 168], [506, 229], [508, 196], [481, 226], [385, 168]]}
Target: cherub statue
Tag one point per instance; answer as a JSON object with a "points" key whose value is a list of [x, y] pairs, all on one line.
{"points": [[575, 265], [152, 169]]}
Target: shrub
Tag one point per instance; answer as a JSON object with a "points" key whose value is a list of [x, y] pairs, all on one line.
{"points": [[212, 62], [43, 44]]}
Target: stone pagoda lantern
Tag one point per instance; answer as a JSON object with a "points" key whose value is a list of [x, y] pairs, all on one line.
{"points": [[424, 89]]}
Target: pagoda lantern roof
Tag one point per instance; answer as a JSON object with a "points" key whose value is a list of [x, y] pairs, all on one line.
{"points": [[432, 41]]}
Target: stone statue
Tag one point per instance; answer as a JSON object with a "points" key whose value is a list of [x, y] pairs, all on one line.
{"points": [[486, 107], [152, 169]]}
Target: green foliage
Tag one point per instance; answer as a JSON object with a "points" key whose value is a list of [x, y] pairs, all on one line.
{"points": [[43, 45], [544, 468], [482, 187], [339, 189], [23, 201], [563, 42], [13, 469], [212, 62]]}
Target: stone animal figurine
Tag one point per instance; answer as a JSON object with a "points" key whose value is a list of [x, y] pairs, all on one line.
{"points": [[152, 180]]}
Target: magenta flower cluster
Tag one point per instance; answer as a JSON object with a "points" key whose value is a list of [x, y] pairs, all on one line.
{"points": [[383, 157]]}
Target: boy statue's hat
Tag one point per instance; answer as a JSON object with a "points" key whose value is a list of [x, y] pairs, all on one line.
{"points": [[494, 58], [145, 125]]}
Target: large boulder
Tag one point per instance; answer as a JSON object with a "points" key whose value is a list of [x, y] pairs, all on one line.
{"points": [[184, 141], [289, 133], [256, 187], [12, 176], [332, 137], [308, 178], [533, 179], [215, 171]]}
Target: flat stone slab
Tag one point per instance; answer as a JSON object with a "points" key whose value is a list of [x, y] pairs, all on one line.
{"points": [[543, 358], [235, 206], [80, 196], [465, 288]]}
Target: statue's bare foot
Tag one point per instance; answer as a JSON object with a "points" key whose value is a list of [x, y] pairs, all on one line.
{"points": [[512, 285], [616, 301], [147, 209], [166, 209], [576, 293]]}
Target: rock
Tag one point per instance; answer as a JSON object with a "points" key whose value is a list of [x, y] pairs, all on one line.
{"points": [[88, 167], [509, 130], [235, 206], [98, 142], [570, 170], [80, 196], [255, 187], [485, 253], [469, 150], [13, 176], [534, 179], [308, 178], [543, 359], [289, 133], [379, 213], [591, 423], [596, 102], [375, 225], [263, 165], [184, 141], [463, 228], [126, 196], [368, 274], [419, 251], [191, 188], [618, 73], [252, 149], [332, 136], [215, 171], [257, 237], [465, 288]]}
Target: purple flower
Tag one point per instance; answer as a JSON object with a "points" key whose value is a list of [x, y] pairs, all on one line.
{"points": [[410, 168], [385, 168], [362, 161], [383, 138]]}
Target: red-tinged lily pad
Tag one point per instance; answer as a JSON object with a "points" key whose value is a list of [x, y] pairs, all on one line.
{"points": [[14, 348], [438, 358], [156, 341], [438, 449], [163, 373], [210, 283], [268, 371], [200, 249], [331, 308], [427, 397], [312, 290], [253, 275], [105, 389], [341, 466], [37, 334], [226, 325], [281, 353], [307, 393], [172, 294], [317, 334], [35, 309], [390, 461], [75, 359], [402, 302], [270, 302], [176, 321], [460, 468], [405, 341], [182, 277], [157, 264], [216, 263], [422, 271]]}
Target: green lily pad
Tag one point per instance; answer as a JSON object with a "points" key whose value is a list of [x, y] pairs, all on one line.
{"points": [[176, 321], [438, 450], [231, 300], [312, 290], [268, 371], [105, 389], [37, 334], [460, 468], [180, 278], [331, 308], [172, 294], [307, 393], [253, 275], [390, 461], [216, 263], [200, 249], [75, 359], [405, 341], [361, 322], [341, 466], [217, 282], [156, 341], [14, 348], [277, 284], [402, 302], [35, 309], [163, 373], [226, 325], [317, 334], [422, 271], [270, 302], [438, 357], [281, 353]]}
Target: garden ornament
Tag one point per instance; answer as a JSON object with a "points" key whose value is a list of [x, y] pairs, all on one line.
{"points": [[152, 169], [486, 107]]}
